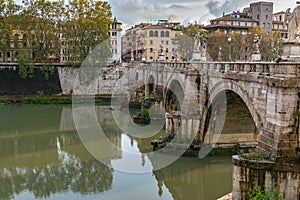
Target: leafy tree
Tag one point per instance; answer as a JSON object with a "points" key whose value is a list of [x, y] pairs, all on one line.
{"points": [[236, 46], [86, 26], [265, 45], [192, 30], [185, 46], [215, 41], [40, 32], [8, 11], [277, 44]]}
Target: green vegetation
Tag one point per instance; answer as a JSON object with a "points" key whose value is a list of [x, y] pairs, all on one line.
{"points": [[49, 100], [253, 154], [186, 40], [38, 31], [271, 47], [259, 194]]}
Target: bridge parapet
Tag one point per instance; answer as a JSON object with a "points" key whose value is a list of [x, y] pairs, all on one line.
{"points": [[281, 70]]}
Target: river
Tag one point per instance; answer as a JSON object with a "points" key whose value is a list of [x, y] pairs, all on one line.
{"points": [[42, 157]]}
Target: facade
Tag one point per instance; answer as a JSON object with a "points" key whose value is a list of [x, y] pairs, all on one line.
{"points": [[151, 42], [129, 44], [236, 21], [279, 24], [262, 12], [116, 43]]}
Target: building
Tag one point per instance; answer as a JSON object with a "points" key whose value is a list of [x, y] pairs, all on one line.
{"points": [[129, 44], [151, 42], [115, 38], [233, 22], [279, 24], [262, 12]]}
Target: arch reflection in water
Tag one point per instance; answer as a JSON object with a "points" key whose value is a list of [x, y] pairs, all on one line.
{"points": [[32, 167]]}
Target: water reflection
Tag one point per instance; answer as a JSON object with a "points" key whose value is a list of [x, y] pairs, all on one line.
{"points": [[41, 156], [70, 175]]}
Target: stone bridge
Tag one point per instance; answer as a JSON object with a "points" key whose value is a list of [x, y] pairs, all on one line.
{"points": [[246, 101]]}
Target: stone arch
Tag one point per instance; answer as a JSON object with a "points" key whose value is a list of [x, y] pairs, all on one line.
{"points": [[239, 107], [237, 89], [174, 95], [150, 86]]}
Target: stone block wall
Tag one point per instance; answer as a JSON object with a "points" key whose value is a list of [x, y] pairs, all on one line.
{"points": [[248, 174]]}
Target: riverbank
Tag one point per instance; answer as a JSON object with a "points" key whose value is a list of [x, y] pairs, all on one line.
{"points": [[57, 100]]}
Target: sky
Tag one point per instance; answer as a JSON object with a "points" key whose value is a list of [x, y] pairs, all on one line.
{"points": [[131, 12]]}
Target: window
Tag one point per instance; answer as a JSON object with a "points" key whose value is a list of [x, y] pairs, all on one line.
{"points": [[151, 42], [151, 58], [162, 34], [151, 50], [246, 24], [173, 50], [162, 42], [280, 18], [0, 54], [167, 34], [167, 42], [264, 25], [167, 50], [8, 55], [151, 34], [156, 34], [114, 26], [267, 16], [257, 17], [268, 25]]}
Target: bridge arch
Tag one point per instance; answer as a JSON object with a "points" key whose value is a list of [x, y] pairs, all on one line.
{"points": [[150, 86], [174, 95], [227, 85], [239, 108]]}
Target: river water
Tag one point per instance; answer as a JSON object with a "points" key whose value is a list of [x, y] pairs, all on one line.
{"points": [[42, 157]]}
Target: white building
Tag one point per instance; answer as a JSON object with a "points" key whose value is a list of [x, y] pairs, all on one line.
{"points": [[116, 43]]}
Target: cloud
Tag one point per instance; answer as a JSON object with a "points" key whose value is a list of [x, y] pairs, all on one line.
{"points": [[178, 6], [131, 12], [217, 7]]}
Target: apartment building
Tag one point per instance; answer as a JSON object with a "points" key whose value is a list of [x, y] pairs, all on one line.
{"points": [[232, 22], [279, 24], [151, 42]]}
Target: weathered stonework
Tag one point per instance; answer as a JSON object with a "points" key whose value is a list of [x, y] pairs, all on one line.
{"points": [[248, 174]]}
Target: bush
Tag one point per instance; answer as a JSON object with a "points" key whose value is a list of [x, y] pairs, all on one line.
{"points": [[259, 194]]}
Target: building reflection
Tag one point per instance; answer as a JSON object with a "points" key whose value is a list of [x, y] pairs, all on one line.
{"points": [[40, 152]]}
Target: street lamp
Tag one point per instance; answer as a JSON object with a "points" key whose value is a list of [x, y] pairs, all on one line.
{"points": [[229, 48]]}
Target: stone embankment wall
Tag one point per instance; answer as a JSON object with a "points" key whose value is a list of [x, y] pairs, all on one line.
{"points": [[248, 174], [11, 83]]}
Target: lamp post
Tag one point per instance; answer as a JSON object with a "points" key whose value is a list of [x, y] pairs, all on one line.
{"points": [[229, 48]]}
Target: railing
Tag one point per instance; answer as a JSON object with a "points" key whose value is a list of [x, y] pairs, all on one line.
{"points": [[284, 69]]}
